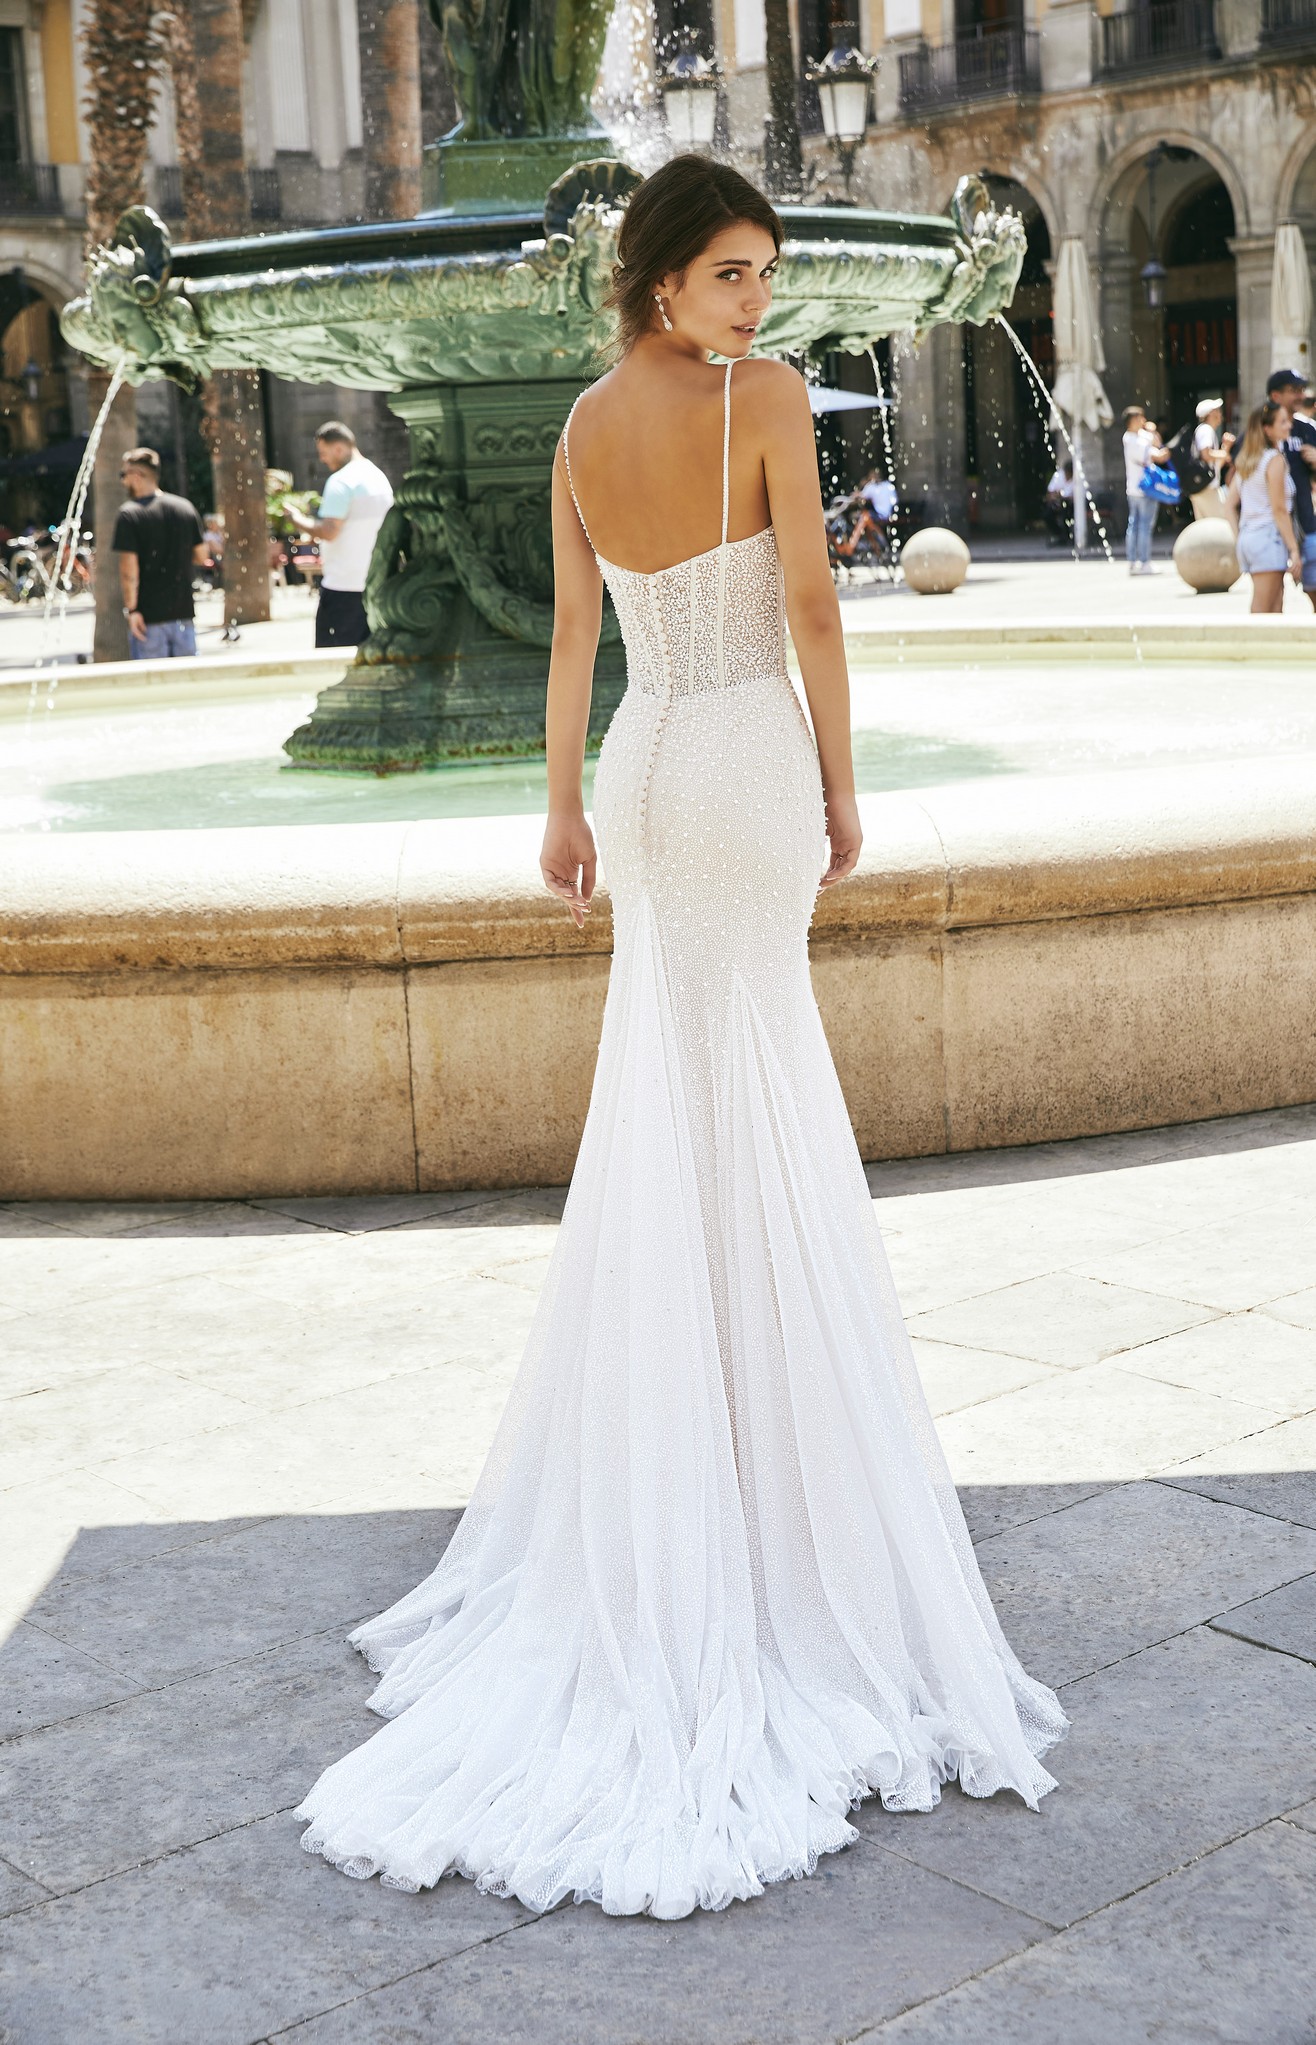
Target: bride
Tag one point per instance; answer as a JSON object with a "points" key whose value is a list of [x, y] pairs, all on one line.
{"points": [[714, 1585]]}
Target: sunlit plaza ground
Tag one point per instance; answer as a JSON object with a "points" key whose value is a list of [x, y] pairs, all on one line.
{"points": [[231, 1431]]}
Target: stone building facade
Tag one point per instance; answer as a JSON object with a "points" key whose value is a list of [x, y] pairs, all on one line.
{"points": [[1183, 130], [304, 134]]}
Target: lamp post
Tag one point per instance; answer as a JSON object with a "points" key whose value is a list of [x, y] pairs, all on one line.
{"points": [[844, 80], [689, 86], [1153, 272]]}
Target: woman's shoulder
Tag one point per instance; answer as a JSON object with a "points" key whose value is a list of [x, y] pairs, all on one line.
{"points": [[772, 397]]}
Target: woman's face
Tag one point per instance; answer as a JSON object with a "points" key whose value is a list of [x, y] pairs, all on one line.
{"points": [[725, 292], [1279, 427]]}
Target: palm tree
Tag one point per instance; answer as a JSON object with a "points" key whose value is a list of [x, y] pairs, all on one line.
{"points": [[388, 34], [122, 50], [783, 165], [206, 43]]}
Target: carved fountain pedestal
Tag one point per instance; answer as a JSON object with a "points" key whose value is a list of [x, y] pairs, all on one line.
{"points": [[482, 327], [460, 593]]}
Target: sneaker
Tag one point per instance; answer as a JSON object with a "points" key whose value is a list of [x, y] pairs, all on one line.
{"points": [[1150, 568]]}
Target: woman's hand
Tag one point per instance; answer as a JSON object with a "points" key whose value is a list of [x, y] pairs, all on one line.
{"points": [[845, 837], [1295, 565], [568, 861]]}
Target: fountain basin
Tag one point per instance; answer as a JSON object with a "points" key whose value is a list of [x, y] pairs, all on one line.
{"points": [[391, 1007]]}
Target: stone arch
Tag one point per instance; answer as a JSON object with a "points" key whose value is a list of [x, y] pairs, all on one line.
{"points": [[1109, 216], [1296, 197]]}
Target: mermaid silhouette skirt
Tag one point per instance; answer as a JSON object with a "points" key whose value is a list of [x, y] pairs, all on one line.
{"points": [[713, 1586]]}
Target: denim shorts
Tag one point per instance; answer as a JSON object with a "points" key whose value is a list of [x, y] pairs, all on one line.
{"points": [[1309, 560], [1261, 551]]}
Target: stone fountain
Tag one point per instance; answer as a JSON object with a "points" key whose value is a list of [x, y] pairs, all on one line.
{"points": [[482, 319]]}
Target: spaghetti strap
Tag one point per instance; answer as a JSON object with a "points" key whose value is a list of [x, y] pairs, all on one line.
{"points": [[566, 457], [722, 543]]}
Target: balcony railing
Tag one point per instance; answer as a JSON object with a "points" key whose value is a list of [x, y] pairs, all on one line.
{"points": [[167, 183], [989, 63], [266, 197], [1166, 35], [29, 188], [1287, 23]]}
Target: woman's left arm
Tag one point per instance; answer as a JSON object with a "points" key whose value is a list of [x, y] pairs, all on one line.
{"points": [[790, 468]]}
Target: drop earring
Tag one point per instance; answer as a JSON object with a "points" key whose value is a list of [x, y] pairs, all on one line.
{"points": [[662, 310]]}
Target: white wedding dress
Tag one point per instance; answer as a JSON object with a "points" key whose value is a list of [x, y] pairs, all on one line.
{"points": [[714, 1585]]}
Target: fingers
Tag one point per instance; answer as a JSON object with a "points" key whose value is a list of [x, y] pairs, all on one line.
{"points": [[587, 873], [565, 887]]}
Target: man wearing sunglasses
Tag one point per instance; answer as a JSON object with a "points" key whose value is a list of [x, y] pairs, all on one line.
{"points": [[159, 540]]}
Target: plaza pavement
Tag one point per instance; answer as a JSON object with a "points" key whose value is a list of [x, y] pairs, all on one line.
{"points": [[229, 1432], [1005, 586]]}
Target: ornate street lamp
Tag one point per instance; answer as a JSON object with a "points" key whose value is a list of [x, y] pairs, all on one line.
{"points": [[1153, 272], [30, 377], [844, 79], [689, 86]]}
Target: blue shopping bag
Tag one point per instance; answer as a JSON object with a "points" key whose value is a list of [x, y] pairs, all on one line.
{"points": [[1161, 483]]}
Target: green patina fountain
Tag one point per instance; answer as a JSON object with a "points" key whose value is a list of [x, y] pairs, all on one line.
{"points": [[482, 319]]}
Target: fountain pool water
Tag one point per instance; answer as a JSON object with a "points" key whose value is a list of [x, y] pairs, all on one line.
{"points": [[193, 756]]}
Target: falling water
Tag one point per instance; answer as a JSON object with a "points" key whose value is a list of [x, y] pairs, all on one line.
{"points": [[1042, 399], [1051, 420], [884, 413], [54, 611]]}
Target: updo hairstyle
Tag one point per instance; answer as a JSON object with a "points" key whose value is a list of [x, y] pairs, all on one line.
{"points": [[669, 220]]}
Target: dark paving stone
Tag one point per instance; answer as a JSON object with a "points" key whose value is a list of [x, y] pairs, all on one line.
{"points": [[221, 1943], [993, 1508], [361, 1213], [1221, 1954], [45, 1680], [17, 1892], [1283, 1494], [807, 1963], [1284, 1619], [170, 1767], [242, 1593], [1081, 1588], [1170, 1753]]}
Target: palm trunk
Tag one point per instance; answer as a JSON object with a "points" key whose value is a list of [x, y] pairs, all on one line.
{"points": [[783, 164], [121, 49], [212, 153], [388, 32]]}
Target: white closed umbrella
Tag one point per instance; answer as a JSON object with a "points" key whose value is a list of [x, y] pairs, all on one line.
{"points": [[1290, 301], [1080, 363]]}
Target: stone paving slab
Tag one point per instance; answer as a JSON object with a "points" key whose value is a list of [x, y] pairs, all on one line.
{"points": [[132, 1781], [1162, 1763], [1106, 1578], [236, 1428], [1284, 1619], [1219, 1954], [222, 1942], [242, 1592], [805, 1963]]}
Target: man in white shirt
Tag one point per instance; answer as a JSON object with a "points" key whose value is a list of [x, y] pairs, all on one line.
{"points": [[1142, 444], [880, 496], [1211, 449], [352, 508]]}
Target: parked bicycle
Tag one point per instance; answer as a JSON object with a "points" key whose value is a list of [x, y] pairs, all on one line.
{"points": [[28, 567], [855, 538]]}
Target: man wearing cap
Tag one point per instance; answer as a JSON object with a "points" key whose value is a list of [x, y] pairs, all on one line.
{"points": [[1210, 448], [1289, 386]]}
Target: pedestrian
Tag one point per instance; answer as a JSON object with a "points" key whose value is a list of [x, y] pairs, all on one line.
{"points": [[1058, 509], [1142, 447], [353, 505], [159, 541], [1260, 495], [1211, 451], [1288, 387], [879, 494]]}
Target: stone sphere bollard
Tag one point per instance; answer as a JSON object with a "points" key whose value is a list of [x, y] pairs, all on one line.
{"points": [[935, 561], [1204, 555]]}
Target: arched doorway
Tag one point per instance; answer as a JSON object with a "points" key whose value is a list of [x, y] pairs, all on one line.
{"points": [[38, 451], [1007, 448], [1169, 287]]}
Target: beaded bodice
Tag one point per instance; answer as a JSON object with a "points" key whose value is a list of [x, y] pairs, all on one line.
{"points": [[710, 622]]}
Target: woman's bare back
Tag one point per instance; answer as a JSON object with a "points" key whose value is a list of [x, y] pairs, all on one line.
{"points": [[646, 459]]}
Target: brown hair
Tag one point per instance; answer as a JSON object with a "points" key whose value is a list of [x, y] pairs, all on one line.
{"points": [[142, 458], [1254, 435], [669, 220], [334, 431]]}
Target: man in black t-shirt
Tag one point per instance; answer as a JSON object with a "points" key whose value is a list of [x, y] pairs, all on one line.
{"points": [[158, 540], [1289, 386]]}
